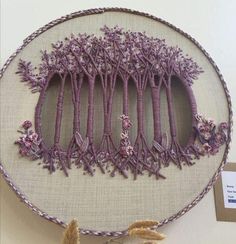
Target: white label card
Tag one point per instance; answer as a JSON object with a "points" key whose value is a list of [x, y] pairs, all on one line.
{"points": [[229, 188]]}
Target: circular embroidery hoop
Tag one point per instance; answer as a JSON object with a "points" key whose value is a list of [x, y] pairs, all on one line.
{"points": [[109, 116]]}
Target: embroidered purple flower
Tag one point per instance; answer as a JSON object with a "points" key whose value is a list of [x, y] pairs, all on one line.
{"points": [[211, 123], [223, 126], [209, 136], [23, 152], [201, 127], [129, 150], [27, 124], [126, 123], [205, 127], [219, 138], [33, 136], [123, 151], [207, 148], [214, 150], [126, 151], [29, 142]]}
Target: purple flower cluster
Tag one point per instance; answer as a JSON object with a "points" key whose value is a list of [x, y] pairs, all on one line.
{"points": [[27, 124], [126, 149], [209, 136], [29, 142]]}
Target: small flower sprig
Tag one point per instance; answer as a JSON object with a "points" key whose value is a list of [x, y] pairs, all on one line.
{"points": [[29, 142], [209, 136], [126, 149]]}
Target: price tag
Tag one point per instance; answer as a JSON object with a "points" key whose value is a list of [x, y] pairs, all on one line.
{"points": [[229, 188], [225, 194]]}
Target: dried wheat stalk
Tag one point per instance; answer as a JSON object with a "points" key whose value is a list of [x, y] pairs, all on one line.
{"points": [[71, 234], [143, 224], [145, 233]]}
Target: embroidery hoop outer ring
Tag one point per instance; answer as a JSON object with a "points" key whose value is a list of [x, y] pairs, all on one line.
{"points": [[99, 11]]}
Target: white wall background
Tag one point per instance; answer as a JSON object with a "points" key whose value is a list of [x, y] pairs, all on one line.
{"points": [[211, 22]]}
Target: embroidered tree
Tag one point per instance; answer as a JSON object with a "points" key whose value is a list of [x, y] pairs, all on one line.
{"points": [[139, 72], [154, 54], [115, 57], [109, 68], [52, 64], [186, 70], [77, 145], [174, 62], [85, 52], [132, 57]]}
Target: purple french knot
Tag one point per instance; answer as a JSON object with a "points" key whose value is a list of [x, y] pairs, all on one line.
{"points": [[129, 57], [27, 124]]}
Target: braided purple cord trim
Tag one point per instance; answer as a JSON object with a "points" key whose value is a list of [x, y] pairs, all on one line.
{"points": [[102, 10]]}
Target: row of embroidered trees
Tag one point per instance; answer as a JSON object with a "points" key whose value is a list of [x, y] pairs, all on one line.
{"points": [[131, 56]]}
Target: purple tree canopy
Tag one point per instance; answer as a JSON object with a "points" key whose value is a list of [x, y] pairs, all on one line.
{"points": [[131, 53]]}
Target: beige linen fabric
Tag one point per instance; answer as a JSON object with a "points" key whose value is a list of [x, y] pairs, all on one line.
{"points": [[102, 202]]}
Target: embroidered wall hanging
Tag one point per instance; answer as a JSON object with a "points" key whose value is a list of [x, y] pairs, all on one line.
{"points": [[123, 97]]}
